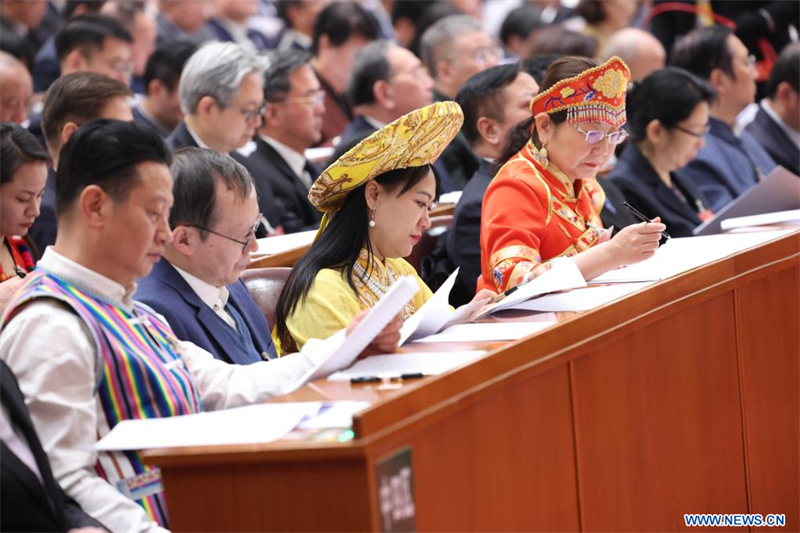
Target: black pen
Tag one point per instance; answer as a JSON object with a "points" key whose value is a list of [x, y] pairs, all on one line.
{"points": [[502, 295], [643, 218], [21, 273], [376, 379]]}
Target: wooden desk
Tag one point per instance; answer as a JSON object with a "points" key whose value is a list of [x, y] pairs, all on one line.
{"points": [[680, 398]]}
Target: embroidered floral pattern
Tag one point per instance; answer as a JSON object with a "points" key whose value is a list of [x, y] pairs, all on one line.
{"points": [[612, 84]]}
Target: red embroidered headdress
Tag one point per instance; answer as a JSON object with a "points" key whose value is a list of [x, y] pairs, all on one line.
{"points": [[596, 95]]}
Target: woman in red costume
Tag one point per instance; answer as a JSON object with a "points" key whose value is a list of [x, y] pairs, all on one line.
{"points": [[544, 202]]}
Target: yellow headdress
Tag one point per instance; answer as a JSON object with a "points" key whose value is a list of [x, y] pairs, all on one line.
{"points": [[413, 140]]}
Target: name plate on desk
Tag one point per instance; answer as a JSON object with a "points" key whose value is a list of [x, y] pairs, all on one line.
{"points": [[395, 482]]}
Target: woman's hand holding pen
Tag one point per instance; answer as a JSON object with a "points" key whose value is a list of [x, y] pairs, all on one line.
{"points": [[637, 242]]}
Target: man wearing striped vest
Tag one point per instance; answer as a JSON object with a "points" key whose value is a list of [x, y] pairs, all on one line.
{"points": [[87, 356]]}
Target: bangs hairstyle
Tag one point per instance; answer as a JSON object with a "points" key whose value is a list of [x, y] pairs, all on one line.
{"points": [[106, 153], [18, 147], [340, 243]]}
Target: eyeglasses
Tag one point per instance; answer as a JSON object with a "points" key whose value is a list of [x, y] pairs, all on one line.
{"points": [[315, 99], [245, 243], [124, 68], [483, 55], [706, 129], [251, 115], [595, 136]]}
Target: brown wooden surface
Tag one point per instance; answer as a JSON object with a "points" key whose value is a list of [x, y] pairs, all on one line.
{"points": [[680, 398], [442, 210]]}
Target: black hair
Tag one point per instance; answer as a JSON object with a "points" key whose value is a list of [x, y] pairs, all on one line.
{"points": [[340, 243], [481, 96], [282, 8], [341, 21], [195, 173], [17, 147], [105, 153], [282, 64], [786, 69], [166, 64], [556, 39], [537, 65], [88, 32], [521, 21], [669, 95], [701, 51], [370, 66], [592, 11], [92, 6], [560, 69], [410, 9]]}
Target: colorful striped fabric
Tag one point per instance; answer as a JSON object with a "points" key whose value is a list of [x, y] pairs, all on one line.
{"points": [[139, 375]]}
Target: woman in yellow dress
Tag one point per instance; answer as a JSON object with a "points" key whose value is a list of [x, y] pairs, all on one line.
{"points": [[376, 198]]}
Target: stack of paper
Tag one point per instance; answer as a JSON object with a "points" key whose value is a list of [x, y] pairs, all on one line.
{"points": [[780, 217], [581, 299], [395, 365], [283, 243], [488, 332]]}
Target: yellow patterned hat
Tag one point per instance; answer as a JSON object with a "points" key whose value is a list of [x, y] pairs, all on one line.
{"points": [[413, 140]]}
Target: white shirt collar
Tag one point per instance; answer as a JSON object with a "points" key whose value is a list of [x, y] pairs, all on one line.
{"points": [[238, 32], [377, 124], [197, 139], [793, 134], [214, 297], [295, 160], [86, 279]]}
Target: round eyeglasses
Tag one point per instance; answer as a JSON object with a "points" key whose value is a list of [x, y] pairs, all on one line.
{"points": [[595, 136], [246, 242]]}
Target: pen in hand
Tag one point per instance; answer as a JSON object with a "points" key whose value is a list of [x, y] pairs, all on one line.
{"points": [[643, 218]]}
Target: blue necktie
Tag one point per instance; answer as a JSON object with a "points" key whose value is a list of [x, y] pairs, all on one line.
{"points": [[247, 338]]}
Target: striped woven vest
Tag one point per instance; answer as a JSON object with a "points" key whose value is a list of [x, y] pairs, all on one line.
{"points": [[139, 375]]}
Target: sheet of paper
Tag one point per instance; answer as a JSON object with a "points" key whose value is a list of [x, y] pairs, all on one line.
{"points": [[780, 217], [431, 317], [563, 275], [683, 254], [243, 425], [394, 365], [283, 243], [450, 197], [488, 332], [389, 306], [334, 415], [581, 299]]}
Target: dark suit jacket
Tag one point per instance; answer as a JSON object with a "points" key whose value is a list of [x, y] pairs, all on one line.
{"points": [[638, 181], [44, 229], [181, 138], [464, 237], [337, 114], [259, 40], [165, 290], [458, 159], [357, 126], [775, 141], [271, 172], [46, 68], [27, 503], [613, 212]]}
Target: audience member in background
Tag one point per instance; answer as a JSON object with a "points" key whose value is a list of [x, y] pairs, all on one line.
{"points": [[22, 180], [20, 18], [537, 65], [70, 102], [600, 19], [667, 120], [777, 124], [341, 30], [730, 162], [196, 285], [230, 24], [386, 83], [95, 43], [642, 52], [184, 20], [29, 494], [454, 49], [376, 210], [16, 89], [405, 15], [161, 106], [299, 17], [142, 26], [72, 334], [433, 14], [493, 101], [519, 26], [292, 123], [556, 39], [544, 203], [46, 68]]}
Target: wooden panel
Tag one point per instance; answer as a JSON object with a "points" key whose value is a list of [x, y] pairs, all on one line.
{"points": [[283, 259], [770, 359], [291, 496], [504, 464], [658, 424]]}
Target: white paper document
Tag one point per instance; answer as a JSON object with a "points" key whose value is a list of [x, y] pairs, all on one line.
{"points": [[333, 415], [395, 365], [283, 243], [488, 332], [683, 254], [563, 275], [581, 299], [780, 217], [450, 197]]}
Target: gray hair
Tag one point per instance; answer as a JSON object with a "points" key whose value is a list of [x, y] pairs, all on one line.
{"points": [[217, 70], [437, 41]]}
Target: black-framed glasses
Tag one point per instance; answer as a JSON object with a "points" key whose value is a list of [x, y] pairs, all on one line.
{"points": [[595, 136], [245, 243], [687, 131]]}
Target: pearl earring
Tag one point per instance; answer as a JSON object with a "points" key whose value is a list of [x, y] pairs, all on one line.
{"points": [[372, 219]]}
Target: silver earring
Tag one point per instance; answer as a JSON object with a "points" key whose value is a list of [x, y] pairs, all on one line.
{"points": [[372, 219]]}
